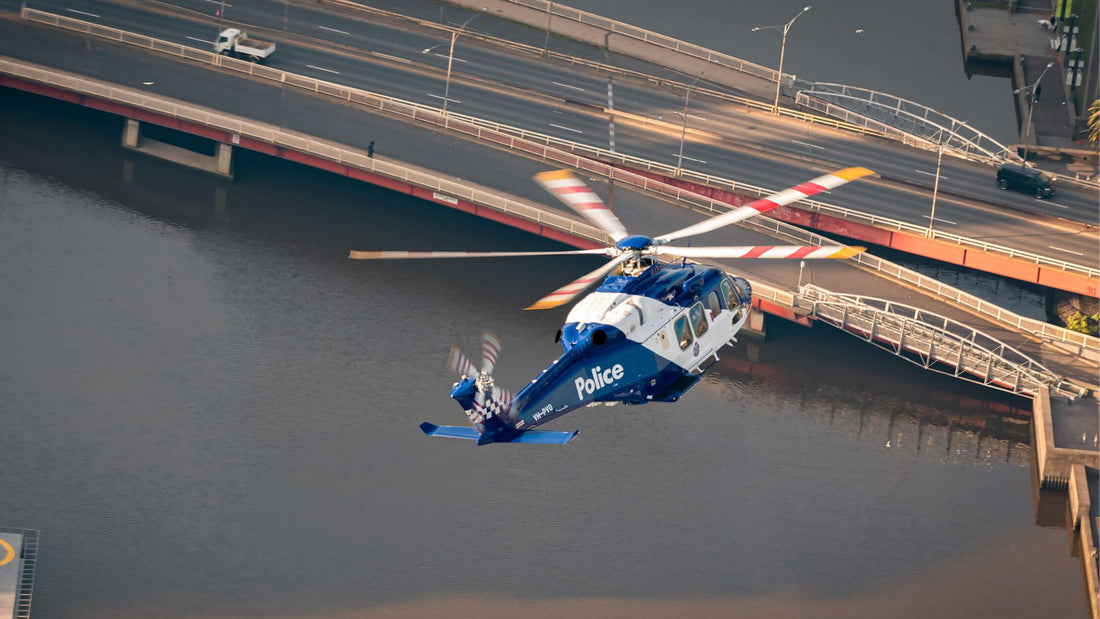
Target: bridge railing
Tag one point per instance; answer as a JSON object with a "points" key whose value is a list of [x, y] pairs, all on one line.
{"points": [[653, 38], [460, 122], [936, 342], [592, 159]]}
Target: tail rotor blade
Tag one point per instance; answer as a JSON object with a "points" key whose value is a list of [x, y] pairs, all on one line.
{"points": [[763, 205], [490, 350], [570, 291], [459, 363], [579, 197], [807, 252]]}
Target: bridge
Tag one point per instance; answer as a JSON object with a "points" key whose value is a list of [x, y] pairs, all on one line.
{"points": [[914, 316]]}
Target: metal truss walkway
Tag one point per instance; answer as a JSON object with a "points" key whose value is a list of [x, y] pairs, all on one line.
{"points": [[907, 121], [935, 342]]}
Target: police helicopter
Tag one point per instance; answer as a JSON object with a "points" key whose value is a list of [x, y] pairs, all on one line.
{"points": [[646, 334]]}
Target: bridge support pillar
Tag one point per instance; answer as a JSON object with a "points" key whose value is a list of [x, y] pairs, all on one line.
{"points": [[224, 156], [131, 131], [220, 163], [754, 326]]}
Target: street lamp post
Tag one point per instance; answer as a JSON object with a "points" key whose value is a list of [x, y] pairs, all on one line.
{"points": [[782, 51], [451, 57], [1031, 90], [936, 185], [684, 123]]}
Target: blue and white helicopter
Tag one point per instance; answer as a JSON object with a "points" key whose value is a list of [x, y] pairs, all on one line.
{"points": [[646, 334]]}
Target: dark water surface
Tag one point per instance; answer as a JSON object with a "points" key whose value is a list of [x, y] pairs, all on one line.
{"points": [[208, 411]]}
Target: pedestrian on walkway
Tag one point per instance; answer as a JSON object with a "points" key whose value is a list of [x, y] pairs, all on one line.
{"points": [[370, 149]]}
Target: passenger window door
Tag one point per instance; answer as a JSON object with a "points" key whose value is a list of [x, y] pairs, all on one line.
{"points": [[699, 319], [714, 304], [683, 331]]}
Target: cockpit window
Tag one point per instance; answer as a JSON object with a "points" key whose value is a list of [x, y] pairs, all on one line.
{"points": [[683, 332], [699, 319], [728, 292]]}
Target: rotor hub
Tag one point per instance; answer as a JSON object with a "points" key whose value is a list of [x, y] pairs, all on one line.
{"points": [[636, 242]]}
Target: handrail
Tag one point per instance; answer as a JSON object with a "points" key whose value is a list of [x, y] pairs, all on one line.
{"points": [[592, 162]]}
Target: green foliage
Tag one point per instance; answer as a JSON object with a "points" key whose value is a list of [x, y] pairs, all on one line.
{"points": [[1081, 323], [1094, 121]]}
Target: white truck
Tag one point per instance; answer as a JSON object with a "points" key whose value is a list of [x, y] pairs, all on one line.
{"points": [[234, 41]]}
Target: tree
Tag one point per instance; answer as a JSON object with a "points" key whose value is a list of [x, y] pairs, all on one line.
{"points": [[1094, 121]]}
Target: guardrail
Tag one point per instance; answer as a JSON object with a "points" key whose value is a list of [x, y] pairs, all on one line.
{"points": [[593, 65], [647, 36], [564, 153]]}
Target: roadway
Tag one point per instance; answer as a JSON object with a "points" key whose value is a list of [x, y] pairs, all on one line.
{"points": [[722, 139]]}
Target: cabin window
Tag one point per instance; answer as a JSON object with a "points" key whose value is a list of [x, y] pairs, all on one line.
{"points": [[699, 319], [732, 300], [683, 332], [223, 39], [714, 304]]}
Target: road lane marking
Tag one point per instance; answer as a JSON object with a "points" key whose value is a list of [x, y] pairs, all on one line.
{"points": [[679, 156], [201, 40], [1068, 251], [567, 128], [333, 30], [219, 2], [942, 177], [445, 98], [808, 144], [941, 220], [1051, 203], [323, 69], [393, 58], [83, 13], [567, 86]]}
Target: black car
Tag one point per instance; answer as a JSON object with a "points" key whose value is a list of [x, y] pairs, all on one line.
{"points": [[1024, 179]]}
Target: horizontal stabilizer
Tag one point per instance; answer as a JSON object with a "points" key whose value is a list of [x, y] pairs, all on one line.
{"points": [[542, 437], [465, 432]]}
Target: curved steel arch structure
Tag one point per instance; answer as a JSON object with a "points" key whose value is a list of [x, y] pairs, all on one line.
{"points": [[918, 121], [936, 342]]}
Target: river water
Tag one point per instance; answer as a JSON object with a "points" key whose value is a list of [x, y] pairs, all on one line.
{"points": [[208, 411]]}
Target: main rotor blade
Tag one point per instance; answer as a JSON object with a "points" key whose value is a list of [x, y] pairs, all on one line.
{"points": [[763, 205], [808, 252], [579, 197], [570, 291], [490, 349], [394, 255]]}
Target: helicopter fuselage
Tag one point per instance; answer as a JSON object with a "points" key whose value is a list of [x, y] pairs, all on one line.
{"points": [[637, 339]]}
